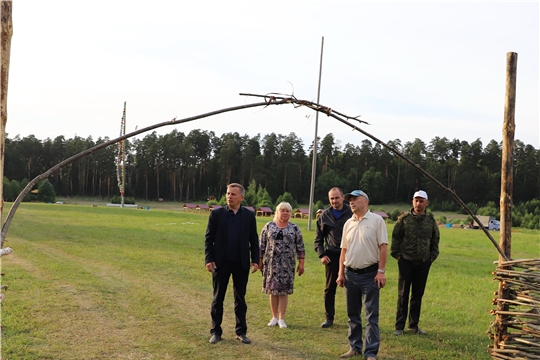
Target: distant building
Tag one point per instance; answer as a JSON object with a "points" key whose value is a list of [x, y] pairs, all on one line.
{"points": [[203, 208], [382, 214], [264, 211], [189, 207], [301, 213]]}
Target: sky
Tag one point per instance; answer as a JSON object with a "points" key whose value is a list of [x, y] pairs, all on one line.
{"points": [[410, 69]]}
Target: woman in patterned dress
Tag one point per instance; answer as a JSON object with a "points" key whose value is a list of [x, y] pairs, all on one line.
{"points": [[280, 243]]}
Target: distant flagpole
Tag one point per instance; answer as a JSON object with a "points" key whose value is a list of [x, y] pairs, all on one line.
{"points": [[314, 162], [121, 156]]}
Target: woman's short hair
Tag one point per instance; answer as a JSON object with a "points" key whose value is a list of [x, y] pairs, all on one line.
{"points": [[282, 205]]}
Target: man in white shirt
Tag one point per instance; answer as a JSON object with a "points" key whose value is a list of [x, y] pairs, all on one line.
{"points": [[361, 271]]}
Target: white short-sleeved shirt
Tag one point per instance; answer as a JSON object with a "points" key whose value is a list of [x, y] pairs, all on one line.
{"points": [[362, 240]]}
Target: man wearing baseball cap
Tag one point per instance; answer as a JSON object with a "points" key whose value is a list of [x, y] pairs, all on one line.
{"points": [[362, 264], [415, 245]]}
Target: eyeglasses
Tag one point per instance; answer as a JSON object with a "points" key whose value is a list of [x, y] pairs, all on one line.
{"points": [[279, 235]]}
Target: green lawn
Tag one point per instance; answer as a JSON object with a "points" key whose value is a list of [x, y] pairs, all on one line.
{"points": [[108, 283]]}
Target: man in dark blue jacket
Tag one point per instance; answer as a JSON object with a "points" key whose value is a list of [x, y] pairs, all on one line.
{"points": [[327, 244], [231, 248]]}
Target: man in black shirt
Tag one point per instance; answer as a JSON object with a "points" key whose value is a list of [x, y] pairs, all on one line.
{"points": [[231, 241], [327, 244]]}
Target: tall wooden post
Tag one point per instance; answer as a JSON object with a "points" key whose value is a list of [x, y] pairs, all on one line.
{"points": [[507, 172], [6, 7], [314, 159], [507, 169]]}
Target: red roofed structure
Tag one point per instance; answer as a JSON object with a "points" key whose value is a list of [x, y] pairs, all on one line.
{"points": [[202, 207], [301, 213], [189, 207], [264, 211]]}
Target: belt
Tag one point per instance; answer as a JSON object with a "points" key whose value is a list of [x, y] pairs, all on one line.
{"points": [[370, 268]]}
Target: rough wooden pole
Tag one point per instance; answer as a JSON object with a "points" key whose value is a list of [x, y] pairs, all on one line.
{"points": [[6, 7], [507, 171], [314, 159], [507, 167]]}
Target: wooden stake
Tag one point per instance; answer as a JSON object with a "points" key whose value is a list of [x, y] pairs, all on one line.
{"points": [[6, 7], [507, 168], [505, 239]]}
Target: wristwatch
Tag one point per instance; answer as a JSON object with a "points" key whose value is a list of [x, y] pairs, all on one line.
{"points": [[381, 271]]}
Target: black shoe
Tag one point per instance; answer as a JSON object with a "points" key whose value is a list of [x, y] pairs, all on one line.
{"points": [[215, 339], [243, 338], [327, 323]]}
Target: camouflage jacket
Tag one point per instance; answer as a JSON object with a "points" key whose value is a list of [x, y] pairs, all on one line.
{"points": [[415, 238]]}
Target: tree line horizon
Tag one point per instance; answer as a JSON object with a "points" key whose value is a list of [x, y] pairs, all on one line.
{"points": [[199, 165]]}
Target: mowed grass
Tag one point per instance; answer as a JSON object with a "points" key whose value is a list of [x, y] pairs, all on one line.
{"points": [[108, 283]]}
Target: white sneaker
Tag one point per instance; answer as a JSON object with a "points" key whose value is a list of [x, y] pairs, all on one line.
{"points": [[282, 324], [273, 322]]}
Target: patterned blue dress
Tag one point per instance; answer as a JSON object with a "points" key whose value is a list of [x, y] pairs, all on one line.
{"points": [[279, 250]]}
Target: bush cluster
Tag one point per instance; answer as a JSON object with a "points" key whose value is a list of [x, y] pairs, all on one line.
{"points": [[117, 199]]}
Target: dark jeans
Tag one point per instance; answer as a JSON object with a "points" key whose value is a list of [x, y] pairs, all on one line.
{"points": [[332, 271], [411, 276], [220, 281], [363, 288]]}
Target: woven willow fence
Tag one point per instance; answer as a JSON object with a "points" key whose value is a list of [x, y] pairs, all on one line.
{"points": [[516, 328]]}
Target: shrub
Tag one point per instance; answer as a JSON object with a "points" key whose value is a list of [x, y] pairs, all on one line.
{"points": [[442, 219], [395, 214], [223, 200], [287, 197], [8, 194], [46, 192], [267, 203], [23, 184]]}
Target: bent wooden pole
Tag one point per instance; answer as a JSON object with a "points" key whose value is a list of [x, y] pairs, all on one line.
{"points": [[270, 99], [92, 150], [345, 119]]}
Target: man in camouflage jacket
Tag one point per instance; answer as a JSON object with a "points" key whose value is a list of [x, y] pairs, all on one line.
{"points": [[415, 244]]}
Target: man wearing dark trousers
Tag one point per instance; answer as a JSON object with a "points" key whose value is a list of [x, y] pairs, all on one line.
{"points": [[231, 248], [327, 245], [415, 245]]}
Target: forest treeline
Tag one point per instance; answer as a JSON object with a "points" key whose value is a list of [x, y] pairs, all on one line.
{"points": [[198, 165]]}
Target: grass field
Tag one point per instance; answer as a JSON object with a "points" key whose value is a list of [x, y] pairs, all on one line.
{"points": [[108, 283]]}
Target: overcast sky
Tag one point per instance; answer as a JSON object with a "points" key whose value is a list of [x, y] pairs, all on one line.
{"points": [[410, 69]]}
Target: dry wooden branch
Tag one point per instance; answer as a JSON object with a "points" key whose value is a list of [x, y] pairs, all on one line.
{"points": [[519, 262], [270, 100], [515, 302], [515, 313], [518, 311], [92, 150], [345, 119]]}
